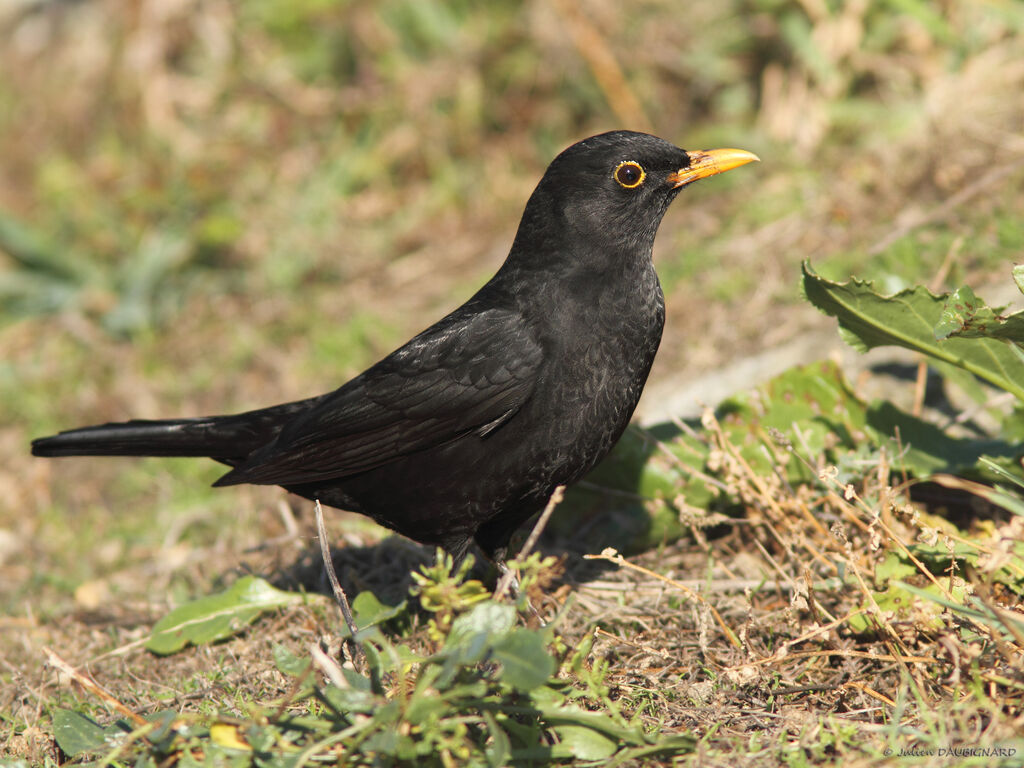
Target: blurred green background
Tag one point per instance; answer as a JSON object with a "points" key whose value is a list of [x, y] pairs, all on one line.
{"points": [[212, 206]]}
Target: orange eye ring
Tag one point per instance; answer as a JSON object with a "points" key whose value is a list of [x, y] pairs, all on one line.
{"points": [[629, 174]]}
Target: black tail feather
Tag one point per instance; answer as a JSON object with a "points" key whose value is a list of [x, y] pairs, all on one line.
{"points": [[228, 439], [172, 437]]}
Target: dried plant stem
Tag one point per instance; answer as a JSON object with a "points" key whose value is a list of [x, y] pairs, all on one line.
{"points": [[339, 593], [507, 576], [86, 682]]}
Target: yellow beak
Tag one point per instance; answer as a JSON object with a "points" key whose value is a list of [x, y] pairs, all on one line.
{"points": [[710, 162]]}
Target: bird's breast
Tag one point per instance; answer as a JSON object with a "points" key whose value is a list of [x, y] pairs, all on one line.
{"points": [[599, 356]]}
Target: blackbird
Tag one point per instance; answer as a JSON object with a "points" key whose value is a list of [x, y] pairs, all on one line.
{"points": [[463, 433]]}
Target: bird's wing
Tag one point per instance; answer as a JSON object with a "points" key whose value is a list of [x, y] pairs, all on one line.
{"points": [[464, 375]]}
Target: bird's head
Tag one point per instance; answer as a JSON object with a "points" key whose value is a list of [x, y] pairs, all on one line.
{"points": [[611, 191]]}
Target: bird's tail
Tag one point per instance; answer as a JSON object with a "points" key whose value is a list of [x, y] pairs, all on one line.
{"points": [[225, 438], [171, 437]]}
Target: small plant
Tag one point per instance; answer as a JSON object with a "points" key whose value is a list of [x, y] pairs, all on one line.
{"points": [[491, 693], [446, 594]]}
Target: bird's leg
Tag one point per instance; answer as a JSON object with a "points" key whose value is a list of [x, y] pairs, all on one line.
{"points": [[508, 580]]}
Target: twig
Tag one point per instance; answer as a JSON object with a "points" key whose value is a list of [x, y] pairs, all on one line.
{"points": [[845, 654], [339, 593], [920, 387], [508, 576], [56, 661], [542, 521], [328, 666], [634, 644], [870, 692]]}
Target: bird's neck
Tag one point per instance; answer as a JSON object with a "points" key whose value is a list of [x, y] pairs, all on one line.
{"points": [[554, 243]]}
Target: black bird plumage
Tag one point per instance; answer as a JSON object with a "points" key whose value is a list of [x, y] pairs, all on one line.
{"points": [[464, 431]]}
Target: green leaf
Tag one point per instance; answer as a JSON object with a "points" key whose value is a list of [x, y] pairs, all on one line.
{"points": [[1018, 276], [75, 733], [354, 700], [908, 319], [30, 250], [215, 617], [924, 449], [611, 503], [368, 612], [583, 743], [1007, 624], [288, 663], [558, 714], [525, 661], [967, 382], [489, 618], [425, 707], [965, 315], [164, 720], [1000, 472], [500, 748]]}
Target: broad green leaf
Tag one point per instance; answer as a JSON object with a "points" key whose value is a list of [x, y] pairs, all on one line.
{"points": [[164, 720], [76, 733], [471, 638], [30, 250], [558, 714], [583, 743], [815, 397], [612, 503], [384, 741], [525, 661], [215, 617], [908, 319], [425, 707], [901, 603], [896, 567], [664, 744], [488, 618]]}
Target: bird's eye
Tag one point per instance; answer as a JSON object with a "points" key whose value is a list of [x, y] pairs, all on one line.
{"points": [[629, 174]]}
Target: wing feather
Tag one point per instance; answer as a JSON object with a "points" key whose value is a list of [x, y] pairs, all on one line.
{"points": [[469, 373]]}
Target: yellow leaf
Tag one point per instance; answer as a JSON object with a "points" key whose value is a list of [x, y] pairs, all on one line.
{"points": [[227, 736]]}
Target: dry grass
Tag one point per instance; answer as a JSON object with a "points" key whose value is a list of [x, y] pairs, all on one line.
{"points": [[761, 649]]}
